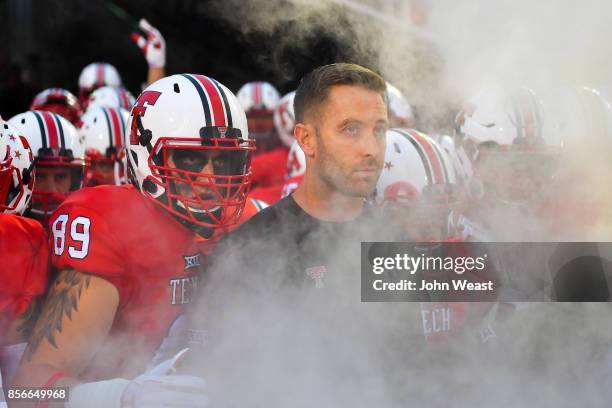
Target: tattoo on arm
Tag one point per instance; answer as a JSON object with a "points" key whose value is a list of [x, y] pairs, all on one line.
{"points": [[28, 319], [62, 300]]}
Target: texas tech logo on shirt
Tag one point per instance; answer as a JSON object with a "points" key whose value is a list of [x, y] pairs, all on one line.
{"points": [[316, 273]]}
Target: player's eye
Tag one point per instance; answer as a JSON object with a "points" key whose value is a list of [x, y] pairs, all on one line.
{"points": [[193, 161]]}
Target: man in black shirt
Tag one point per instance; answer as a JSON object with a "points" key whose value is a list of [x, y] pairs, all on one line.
{"points": [[341, 124], [282, 292]]}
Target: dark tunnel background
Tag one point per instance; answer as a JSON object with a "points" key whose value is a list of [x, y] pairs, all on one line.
{"points": [[46, 43]]}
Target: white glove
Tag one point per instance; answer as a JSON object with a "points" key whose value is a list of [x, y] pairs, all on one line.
{"points": [[158, 387], [153, 47]]}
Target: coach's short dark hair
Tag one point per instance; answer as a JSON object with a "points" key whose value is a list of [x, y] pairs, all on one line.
{"points": [[314, 87]]}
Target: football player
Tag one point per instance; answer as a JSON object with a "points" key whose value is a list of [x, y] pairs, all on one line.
{"points": [[418, 189], [59, 101], [58, 157], [128, 257], [102, 133], [418, 186], [263, 108], [23, 245], [94, 76], [267, 165]]}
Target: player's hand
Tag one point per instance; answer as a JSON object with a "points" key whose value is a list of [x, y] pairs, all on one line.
{"points": [[153, 46], [158, 387]]}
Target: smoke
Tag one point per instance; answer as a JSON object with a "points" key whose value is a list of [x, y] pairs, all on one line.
{"points": [[273, 344], [274, 339]]}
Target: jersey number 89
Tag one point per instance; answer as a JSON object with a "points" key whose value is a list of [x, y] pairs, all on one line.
{"points": [[79, 234]]}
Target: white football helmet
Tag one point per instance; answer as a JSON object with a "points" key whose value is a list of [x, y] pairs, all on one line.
{"points": [[102, 133], [418, 185], [116, 97], [508, 120], [284, 119], [259, 99], [296, 167], [60, 101], [470, 184], [400, 111], [258, 96], [58, 153], [577, 115], [503, 133], [16, 170], [94, 76], [189, 151]]}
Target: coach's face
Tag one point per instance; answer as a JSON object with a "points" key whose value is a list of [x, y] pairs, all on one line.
{"points": [[350, 137]]}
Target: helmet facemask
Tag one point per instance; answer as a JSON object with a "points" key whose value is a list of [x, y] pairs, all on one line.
{"points": [[205, 185], [262, 129], [105, 169]]}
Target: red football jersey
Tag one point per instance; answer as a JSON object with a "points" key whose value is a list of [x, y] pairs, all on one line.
{"points": [[153, 260], [24, 274], [251, 207], [269, 168], [269, 194], [291, 185], [444, 321]]}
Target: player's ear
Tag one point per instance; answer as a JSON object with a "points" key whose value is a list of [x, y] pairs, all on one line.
{"points": [[305, 136]]}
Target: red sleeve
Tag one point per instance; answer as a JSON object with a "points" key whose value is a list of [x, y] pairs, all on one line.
{"points": [[25, 266], [37, 278], [83, 239]]}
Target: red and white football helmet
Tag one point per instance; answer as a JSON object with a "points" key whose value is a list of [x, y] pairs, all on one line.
{"points": [[284, 119], [296, 167], [16, 170], [189, 151], [58, 157], [579, 116], [94, 76], [259, 99], [116, 97], [507, 119], [60, 101], [400, 111], [102, 133], [503, 133], [418, 185]]}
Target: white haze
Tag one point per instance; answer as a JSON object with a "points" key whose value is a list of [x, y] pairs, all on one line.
{"points": [[545, 355]]}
